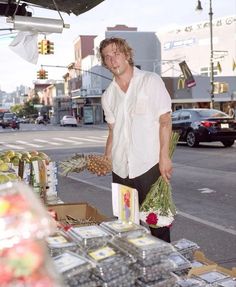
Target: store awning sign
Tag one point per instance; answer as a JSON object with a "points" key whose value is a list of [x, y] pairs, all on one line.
{"points": [[189, 79]]}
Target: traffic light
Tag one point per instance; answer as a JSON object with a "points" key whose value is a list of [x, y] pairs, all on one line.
{"points": [[40, 47], [42, 74], [50, 47], [45, 47]]}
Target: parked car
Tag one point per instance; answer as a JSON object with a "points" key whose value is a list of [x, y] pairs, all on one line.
{"points": [[10, 120], [204, 125], [68, 120], [42, 120]]}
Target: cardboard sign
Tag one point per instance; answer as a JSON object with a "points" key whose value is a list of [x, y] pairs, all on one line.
{"points": [[125, 203]]}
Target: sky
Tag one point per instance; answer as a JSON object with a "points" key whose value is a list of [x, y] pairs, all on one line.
{"points": [[146, 15]]}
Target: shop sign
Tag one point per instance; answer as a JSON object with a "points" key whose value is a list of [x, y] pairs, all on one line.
{"points": [[189, 80]]}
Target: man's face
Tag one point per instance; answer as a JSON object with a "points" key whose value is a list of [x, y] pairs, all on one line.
{"points": [[115, 60]]}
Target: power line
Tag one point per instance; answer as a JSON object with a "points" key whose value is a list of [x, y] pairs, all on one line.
{"points": [[85, 71]]}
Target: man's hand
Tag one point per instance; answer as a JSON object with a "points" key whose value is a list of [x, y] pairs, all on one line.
{"points": [[166, 168]]}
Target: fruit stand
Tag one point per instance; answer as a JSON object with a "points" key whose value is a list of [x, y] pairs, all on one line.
{"points": [[45, 242]]}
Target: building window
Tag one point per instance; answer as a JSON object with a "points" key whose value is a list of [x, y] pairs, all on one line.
{"points": [[206, 71]]}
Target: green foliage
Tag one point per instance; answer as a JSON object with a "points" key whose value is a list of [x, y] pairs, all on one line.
{"points": [[159, 196], [27, 108], [17, 109]]}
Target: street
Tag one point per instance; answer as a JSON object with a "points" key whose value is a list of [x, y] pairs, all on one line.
{"points": [[203, 183]]}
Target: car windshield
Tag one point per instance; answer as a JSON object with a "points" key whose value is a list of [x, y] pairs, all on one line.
{"points": [[211, 113]]}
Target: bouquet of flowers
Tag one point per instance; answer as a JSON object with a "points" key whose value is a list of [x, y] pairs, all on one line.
{"points": [[158, 209]]}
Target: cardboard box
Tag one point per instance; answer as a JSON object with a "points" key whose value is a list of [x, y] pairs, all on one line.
{"points": [[77, 213], [204, 269], [200, 257]]}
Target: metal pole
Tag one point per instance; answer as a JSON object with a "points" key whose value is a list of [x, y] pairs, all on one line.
{"points": [[211, 58]]}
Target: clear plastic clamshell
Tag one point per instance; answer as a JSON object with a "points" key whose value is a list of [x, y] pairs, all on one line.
{"points": [[89, 236], [154, 272], [146, 248], [111, 261], [121, 228], [183, 264], [212, 276], [228, 282], [163, 282], [186, 247], [60, 242], [191, 282], [74, 268]]}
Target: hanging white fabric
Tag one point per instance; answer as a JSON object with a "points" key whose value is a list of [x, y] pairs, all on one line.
{"points": [[25, 44]]}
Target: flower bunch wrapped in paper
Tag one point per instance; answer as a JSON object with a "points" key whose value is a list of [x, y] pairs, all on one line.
{"points": [[158, 209]]}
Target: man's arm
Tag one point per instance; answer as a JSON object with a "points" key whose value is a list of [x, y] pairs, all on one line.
{"points": [[108, 148], [165, 163]]}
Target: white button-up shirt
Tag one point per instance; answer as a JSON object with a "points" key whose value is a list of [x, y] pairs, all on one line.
{"points": [[135, 115]]}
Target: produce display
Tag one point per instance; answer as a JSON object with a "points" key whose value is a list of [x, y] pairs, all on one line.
{"points": [[130, 258], [32, 167], [24, 225], [36, 250]]}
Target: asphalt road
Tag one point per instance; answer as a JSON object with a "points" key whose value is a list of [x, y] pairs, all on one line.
{"points": [[203, 184]]}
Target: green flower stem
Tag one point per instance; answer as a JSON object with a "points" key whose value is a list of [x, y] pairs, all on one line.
{"points": [[160, 195]]}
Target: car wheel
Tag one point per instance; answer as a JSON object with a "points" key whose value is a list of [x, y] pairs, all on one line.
{"points": [[228, 143], [191, 139]]}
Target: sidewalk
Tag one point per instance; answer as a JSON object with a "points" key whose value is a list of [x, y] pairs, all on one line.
{"points": [[95, 126]]}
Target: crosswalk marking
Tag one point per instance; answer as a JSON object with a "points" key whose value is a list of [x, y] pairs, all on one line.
{"points": [[86, 139], [29, 144], [14, 146], [97, 138], [47, 142], [22, 145], [67, 141]]}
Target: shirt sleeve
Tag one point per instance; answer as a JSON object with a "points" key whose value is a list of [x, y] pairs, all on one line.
{"points": [[109, 116], [161, 97]]}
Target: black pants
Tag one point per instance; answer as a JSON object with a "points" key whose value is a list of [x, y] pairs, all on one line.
{"points": [[143, 184]]}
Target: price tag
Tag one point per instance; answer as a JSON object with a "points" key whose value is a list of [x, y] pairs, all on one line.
{"points": [[142, 241], [67, 261], [102, 253], [56, 240]]}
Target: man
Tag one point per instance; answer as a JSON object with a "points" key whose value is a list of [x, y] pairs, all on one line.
{"points": [[231, 110], [137, 109]]}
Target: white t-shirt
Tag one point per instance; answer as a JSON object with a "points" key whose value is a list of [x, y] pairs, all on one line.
{"points": [[135, 115]]}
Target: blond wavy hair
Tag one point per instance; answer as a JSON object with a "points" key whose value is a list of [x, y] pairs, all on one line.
{"points": [[121, 45]]}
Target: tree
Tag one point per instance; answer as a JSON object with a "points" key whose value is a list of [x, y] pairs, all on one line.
{"points": [[17, 109]]}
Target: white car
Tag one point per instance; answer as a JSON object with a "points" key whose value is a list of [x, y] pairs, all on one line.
{"points": [[68, 121]]}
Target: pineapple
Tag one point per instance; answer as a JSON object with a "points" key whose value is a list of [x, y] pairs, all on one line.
{"points": [[94, 163], [98, 164]]}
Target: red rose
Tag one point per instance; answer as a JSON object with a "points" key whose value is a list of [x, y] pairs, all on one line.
{"points": [[152, 218]]}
